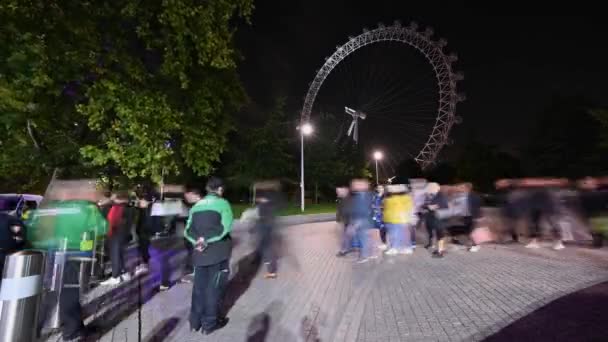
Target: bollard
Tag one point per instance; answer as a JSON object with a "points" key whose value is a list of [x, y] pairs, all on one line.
{"points": [[20, 294]]}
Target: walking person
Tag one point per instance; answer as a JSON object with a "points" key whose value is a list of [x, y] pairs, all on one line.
{"points": [[208, 230], [472, 213], [60, 227], [143, 230], [436, 202], [360, 221], [377, 209], [268, 201], [120, 220], [398, 207]]}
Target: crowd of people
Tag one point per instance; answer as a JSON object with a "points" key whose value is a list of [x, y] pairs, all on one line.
{"points": [[396, 212], [387, 220], [393, 214]]}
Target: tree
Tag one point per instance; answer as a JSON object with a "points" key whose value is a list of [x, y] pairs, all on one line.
{"points": [[567, 141], [261, 152], [142, 87]]}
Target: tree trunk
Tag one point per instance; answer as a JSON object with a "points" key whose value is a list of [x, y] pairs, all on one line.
{"points": [[316, 193]]}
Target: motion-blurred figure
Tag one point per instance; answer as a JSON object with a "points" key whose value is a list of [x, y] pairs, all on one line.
{"points": [[435, 202], [208, 230], [377, 215], [269, 201], [120, 219], [69, 218], [594, 201], [398, 208], [360, 221], [472, 214]]}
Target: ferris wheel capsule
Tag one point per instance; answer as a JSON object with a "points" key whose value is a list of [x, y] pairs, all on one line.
{"points": [[458, 76], [457, 119], [413, 26], [428, 32], [442, 43], [397, 23], [452, 57]]}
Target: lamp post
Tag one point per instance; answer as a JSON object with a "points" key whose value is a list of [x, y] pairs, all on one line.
{"points": [[377, 156], [305, 129]]}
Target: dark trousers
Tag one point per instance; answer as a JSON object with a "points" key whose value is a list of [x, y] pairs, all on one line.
{"points": [[117, 254], [266, 250], [143, 243], [434, 225], [207, 294], [535, 229], [70, 311], [188, 268], [383, 235]]}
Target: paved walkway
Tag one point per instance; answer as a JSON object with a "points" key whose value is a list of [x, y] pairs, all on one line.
{"points": [[318, 297]]}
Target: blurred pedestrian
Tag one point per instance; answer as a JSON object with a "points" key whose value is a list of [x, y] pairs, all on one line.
{"points": [[208, 230], [377, 209], [360, 221], [472, 214], [398, 208], [435, 203], [62, 226], [269, 201], [120, 219], [594, 201], [144, 230]]}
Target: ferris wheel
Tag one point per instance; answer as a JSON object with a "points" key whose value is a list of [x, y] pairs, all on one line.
{"points": [[443, 115]]}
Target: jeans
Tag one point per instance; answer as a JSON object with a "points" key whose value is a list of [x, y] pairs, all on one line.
{"points": [[362, 231], [399, 235], [117, 253], [207, 293]]}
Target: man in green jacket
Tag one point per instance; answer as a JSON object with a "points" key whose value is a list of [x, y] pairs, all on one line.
{"points": [[208, 229], [69, 224]]}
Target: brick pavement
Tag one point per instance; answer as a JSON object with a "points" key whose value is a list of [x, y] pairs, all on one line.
{"points": [[318, 297]]}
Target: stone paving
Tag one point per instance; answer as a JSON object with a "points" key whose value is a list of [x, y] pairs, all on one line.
{"points": [[318, 297]]}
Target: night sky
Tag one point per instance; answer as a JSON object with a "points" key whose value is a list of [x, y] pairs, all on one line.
{"points": [[513, 65]]}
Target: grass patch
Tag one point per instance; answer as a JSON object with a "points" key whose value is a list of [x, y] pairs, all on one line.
{"points": [[291, 209]]}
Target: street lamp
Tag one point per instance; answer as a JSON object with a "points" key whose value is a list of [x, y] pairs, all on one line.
{"points": [[305, 129], [377, 156]]}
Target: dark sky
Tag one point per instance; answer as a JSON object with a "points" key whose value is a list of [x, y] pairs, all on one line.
{"points": [[513, 65]]}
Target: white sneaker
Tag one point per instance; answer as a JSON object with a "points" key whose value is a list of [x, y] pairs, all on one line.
{"points": [[559, 246], [392, 251], [362, 261], [474, 249], [126, 276], [533, 245], [111, 282], [163, 288], [382, 247], [141, 269], [407, 251]]}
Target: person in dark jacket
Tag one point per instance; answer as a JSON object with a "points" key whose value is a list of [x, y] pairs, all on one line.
{"points": [[208, 230], [436, 201], [473, 212], [269, 201], [360, 219]]}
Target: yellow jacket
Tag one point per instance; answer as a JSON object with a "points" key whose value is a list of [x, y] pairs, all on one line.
{"points": [[398, 208]]}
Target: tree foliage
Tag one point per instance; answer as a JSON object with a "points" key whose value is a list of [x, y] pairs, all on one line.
{"points": [[138, 86], [262, 152]]}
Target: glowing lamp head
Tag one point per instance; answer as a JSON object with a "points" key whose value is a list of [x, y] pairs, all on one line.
{"points": [[307, 129], [378, 155]]}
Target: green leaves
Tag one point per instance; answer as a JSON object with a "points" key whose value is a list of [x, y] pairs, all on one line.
{"points": [[144, 88]]}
